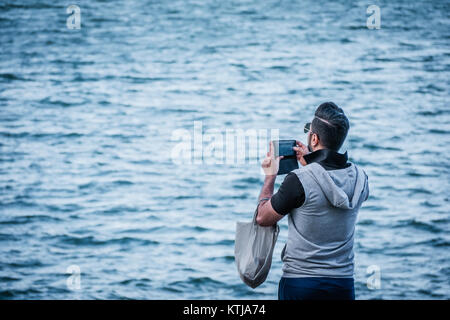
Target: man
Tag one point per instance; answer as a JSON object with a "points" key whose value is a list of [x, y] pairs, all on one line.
{"points": [[321, 199]]}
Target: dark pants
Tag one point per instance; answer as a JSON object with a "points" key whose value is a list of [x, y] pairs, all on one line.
{"points": [[316, 288]]}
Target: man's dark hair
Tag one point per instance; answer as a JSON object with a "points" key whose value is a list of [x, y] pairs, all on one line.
{"points": [[331, 125]]}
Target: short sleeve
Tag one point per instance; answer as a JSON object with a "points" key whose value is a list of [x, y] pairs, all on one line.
{"points": [[289, 196]]}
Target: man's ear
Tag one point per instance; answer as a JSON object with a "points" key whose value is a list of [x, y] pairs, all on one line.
{"points": [[314, 140]]}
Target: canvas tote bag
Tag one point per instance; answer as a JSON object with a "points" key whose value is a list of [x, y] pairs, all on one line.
{"points": [[253, 249]]}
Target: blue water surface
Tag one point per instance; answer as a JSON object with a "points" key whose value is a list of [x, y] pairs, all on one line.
{"points": [[87, 118]]}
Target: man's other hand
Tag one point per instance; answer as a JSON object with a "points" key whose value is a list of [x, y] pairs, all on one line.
{"points": [[271, 164]]}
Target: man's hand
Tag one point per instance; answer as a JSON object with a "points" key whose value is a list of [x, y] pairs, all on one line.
{"points": [[301, 150], [271, 164]]}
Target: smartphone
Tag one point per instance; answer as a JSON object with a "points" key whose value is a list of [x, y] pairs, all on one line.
{"points": [[284, 148]]}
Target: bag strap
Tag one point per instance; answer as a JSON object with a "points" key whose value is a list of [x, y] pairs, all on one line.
{"points": [[257, 206]]}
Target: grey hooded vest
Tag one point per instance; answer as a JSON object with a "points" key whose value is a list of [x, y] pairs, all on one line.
{"points": [[321, 231]]}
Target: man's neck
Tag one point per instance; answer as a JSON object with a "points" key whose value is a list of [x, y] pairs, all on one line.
{"points": [[328, 158], [319, 147]]}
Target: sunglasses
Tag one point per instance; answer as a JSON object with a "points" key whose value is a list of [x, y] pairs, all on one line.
{"points": [[307, 127]]}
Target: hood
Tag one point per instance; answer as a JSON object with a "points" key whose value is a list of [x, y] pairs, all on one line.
{"points": [[344, 188]]}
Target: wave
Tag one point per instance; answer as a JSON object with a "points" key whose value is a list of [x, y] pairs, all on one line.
{"points": [[197, 282], [93, 241], [38, 218], [420, 225]]}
